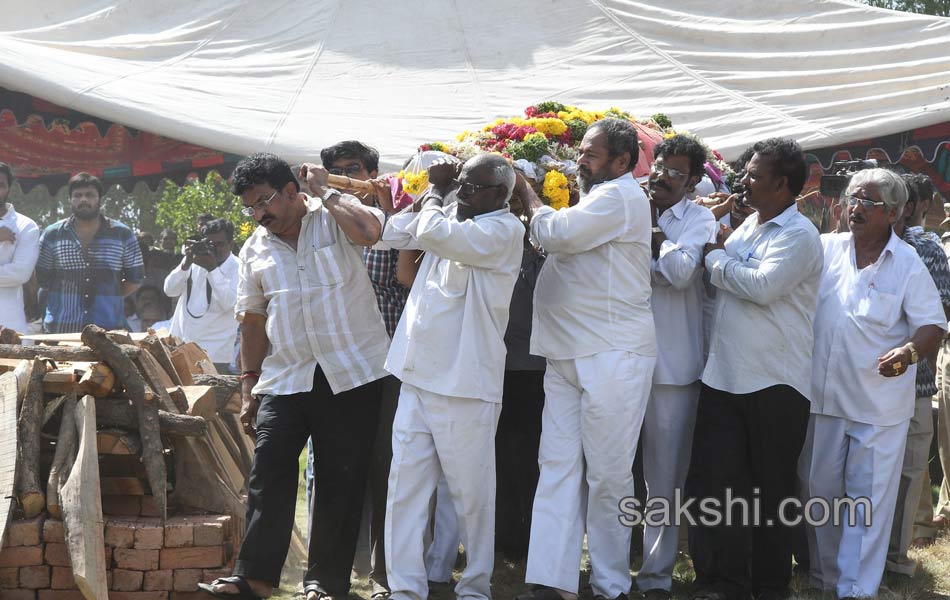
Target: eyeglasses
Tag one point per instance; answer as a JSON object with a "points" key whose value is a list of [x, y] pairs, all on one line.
{"points": [[470, 189], [660, 169], [248, 211], [867, 203], [348, 170]]}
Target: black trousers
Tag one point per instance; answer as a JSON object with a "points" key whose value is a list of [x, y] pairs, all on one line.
{"points": [[343, 428], [379, 480], [516, 449], [741, 442]]}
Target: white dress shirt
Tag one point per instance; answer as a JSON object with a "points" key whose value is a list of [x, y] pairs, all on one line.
{"points": [[677, 299], [863, 313], [451, 337], [319, 304], [17, 260], [767, 279], [210, 325], [593, 292]]}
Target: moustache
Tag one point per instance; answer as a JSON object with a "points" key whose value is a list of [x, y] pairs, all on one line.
{"points": [[654, 185]]}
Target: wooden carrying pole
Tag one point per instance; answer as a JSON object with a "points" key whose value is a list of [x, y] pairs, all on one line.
{"points": [[342, 182]]}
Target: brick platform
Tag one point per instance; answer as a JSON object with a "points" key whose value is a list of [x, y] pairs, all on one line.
{"points": [[146, 560]]}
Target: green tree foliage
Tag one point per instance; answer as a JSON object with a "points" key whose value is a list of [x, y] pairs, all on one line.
{"points": [[180, 207], [940, 8]]}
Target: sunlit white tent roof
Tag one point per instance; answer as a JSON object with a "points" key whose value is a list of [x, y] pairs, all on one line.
{"points": [[293, 77]]}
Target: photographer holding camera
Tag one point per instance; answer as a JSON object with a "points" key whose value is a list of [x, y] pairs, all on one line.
{"points": [[206, 286]]}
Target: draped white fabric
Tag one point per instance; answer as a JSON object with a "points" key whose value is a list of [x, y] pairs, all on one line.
{"points": [[293, 77]]}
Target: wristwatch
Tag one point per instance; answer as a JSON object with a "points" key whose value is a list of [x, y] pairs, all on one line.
{"points": [[656, 230], [913, 352], [330, 192]]}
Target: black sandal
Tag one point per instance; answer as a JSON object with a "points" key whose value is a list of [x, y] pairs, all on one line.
{"points": [[244, 589], [315, 588]]}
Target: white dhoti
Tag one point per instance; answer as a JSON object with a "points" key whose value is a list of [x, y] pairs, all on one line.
{"points": [[435, 434], [667, 438], [443, 551], [844, 458], [593, 411]]}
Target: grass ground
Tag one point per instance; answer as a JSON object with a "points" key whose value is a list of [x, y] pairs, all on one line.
{"points": [[931, 581]]}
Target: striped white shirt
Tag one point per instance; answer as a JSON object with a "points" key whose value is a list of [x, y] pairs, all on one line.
{"points": [[319, 304]]}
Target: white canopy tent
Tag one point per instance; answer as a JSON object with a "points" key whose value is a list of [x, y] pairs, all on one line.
{"points": [[293, 77]]}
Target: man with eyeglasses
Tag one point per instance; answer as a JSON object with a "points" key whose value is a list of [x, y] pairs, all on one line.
{"points": [[449, 353], [593, 324], [753, 403], [205, 284], [313, 347], [878, 313], [681, 230], [88, 264]]}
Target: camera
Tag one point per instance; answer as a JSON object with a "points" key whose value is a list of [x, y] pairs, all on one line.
{"points": [[739, 190], [200, 246], [834, 185]]}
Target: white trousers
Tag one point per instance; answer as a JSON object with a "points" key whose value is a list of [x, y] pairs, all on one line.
{"points": [[667, 438], [443, 550], [593, 410], [843, 458], [435, 434]]}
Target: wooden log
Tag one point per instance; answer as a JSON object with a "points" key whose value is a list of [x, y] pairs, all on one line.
{"points": [[122, 486], [8, 336], [8, 402], [156, 348], [200, 400], [120, 336], [98, 380], [60, 381], [195, 360], [159, 381], [23, 373], [61, 353], [153, 452], [52, 407], [118, 441], [180, 362], [29, 424], [67, 445], [82, 509], [118, 412], [227, 389]]}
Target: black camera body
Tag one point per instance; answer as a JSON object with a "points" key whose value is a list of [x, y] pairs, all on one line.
{"points": [[201, 246], [832, 186]]}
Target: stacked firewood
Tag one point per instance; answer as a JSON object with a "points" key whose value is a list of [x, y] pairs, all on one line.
{"points": [[108, 424]]}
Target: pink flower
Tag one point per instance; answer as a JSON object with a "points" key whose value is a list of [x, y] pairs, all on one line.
{"points": [[530, 112]]}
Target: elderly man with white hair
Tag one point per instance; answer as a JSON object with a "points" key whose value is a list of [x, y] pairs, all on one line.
{"points": [[878, 311], [449, 353]]}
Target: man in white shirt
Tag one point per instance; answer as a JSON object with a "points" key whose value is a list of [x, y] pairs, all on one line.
{"points": [[592, 322], [878, 312], [19, 250], [313, 346], [206, 286], [753, 406], [681, 229], [449, 353]]}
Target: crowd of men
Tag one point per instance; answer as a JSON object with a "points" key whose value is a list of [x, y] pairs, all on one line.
{"points": [[745, 354]]}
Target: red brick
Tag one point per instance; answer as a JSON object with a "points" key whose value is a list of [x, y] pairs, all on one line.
{"points": [[209, 575], [107, 550], [21, 556], [149, 507], [9, 578], [158, 580], [25, 532], [63, 579], [179, 532], [141, 596], [57, 555], [124, 580], [138, 560], [122, 506], [120, 533], [149, 534], [187, 580], [62, 595], [209, 534], [18, 595], [206, 557], [34, 577], [53, 531]]}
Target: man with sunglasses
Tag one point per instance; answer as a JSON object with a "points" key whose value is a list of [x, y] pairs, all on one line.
{"points": [[878, 313], [593, 324], [313, 347], [449, 353], [681, 229]]}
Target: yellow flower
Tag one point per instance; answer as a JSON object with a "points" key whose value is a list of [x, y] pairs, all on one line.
{"points": [[548, 126], [556, 189], [414, 183], [246, 229]]}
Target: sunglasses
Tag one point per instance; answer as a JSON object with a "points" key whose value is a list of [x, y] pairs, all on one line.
{"points": [[470, 189], [348, 170], [664, 170]]}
